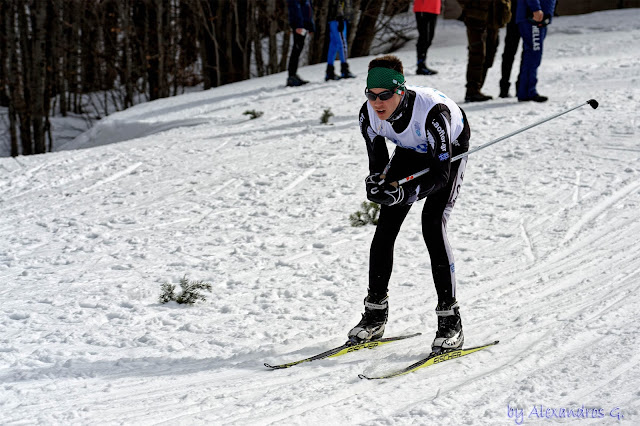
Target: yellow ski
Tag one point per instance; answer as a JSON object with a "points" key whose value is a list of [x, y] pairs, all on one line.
{"points": [[433, 358], [344, 349]]}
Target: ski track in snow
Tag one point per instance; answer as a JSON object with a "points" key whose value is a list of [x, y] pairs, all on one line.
{"points": [[298, 181], [113, 177], [544, 233], [607, 204]]}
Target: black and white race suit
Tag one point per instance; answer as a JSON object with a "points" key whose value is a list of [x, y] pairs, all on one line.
{"points": [[428, 130]]}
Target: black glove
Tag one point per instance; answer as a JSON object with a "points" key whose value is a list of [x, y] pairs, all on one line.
{"points": [[373, 180], [341, 24], [382, 192]]}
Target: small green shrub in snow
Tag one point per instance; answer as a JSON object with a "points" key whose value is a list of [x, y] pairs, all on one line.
{"points": [[253, 114], [190, 294], [326, 115], [367, 215]]}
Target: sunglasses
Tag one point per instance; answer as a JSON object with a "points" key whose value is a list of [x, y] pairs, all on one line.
{"points": [[384, 96]]}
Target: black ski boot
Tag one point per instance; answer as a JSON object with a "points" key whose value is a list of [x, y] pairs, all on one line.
{"points": [[371, 326], [449, 335], [331, 74], [344, 71]]}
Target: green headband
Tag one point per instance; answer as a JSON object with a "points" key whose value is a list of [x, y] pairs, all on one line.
{"points": [[385, 78]]}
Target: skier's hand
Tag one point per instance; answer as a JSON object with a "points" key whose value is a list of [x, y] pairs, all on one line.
{"points": [[374, 179], [341, 25], [382, 192]]}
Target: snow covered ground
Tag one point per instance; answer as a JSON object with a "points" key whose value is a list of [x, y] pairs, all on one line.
{"points": [[545, 234]]}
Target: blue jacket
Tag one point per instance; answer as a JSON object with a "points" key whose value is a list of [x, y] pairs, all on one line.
{"points": [[526, 7], [301, 14]]}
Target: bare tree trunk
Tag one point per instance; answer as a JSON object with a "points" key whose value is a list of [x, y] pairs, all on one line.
{"points": [[142, 49], [13, 134], [208, 11], [273, 41], [241, 43], [127, 30], [173, 35], [353, 25], [39, 74], [188, 45], [4, 55], [60, 57], [24, 113], [110, 29], [150, 49], [366, 30], [157, 64], [256, 36], [76, 56], [160, 29], [12, 73], [52, 30], [89, 60], [227, 68], [317, 49]]}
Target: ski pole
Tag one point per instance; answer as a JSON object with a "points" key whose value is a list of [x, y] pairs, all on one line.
{"points": [[591, 102]]}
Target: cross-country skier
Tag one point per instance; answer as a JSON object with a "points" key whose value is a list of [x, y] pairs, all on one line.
{"points": [[428, 129]]}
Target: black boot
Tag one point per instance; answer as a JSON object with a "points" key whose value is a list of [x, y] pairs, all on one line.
{"points": [[295, 80], [477, 97], [449, 335], [536, 98], [371, 326], [331, 74], [344, 71], [423, 70]]}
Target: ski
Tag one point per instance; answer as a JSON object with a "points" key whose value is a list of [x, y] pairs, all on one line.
{"points": [[433, 358], [344, 349]]}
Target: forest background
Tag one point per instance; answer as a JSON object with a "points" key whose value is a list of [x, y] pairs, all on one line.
{"points": [[91, 58]]}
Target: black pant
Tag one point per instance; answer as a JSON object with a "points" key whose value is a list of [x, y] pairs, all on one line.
{"points": [[298, 45], [435, 213], [426, 23], [511, 41], [483, 44]]}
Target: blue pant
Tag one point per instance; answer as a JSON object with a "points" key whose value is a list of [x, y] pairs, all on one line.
{"points": [[337, 43], [532, 39]]}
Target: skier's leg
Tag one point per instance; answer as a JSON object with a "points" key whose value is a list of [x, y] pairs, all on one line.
{"points": [[381, 253], [435, 215], [376, 307]]}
